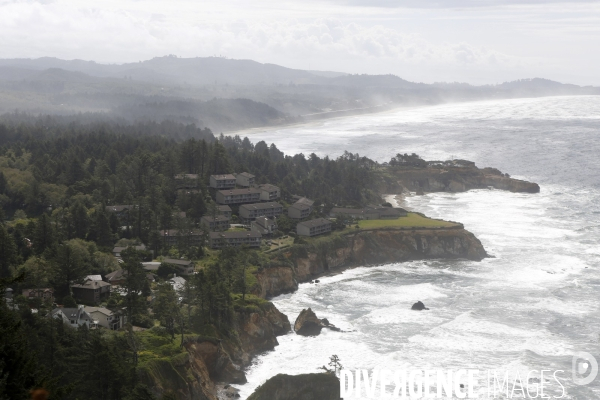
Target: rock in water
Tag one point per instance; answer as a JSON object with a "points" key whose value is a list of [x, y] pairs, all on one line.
{"points": [[419, 306], [323, 386], [307, 323]]}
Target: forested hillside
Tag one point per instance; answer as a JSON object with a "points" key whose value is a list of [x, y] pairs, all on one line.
{"points": [[58, 179]]}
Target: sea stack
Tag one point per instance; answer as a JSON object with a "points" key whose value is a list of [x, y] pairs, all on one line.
{"points": [[307, 323], [419, 306]]}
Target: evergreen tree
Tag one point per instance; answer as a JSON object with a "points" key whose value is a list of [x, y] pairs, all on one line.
{"points": [[69, 269], [8, 251], [136, 284], [18, 367], [44, 234]]}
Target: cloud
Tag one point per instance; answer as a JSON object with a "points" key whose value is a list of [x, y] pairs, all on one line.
{"points": [[33, 29], [475, 44], [450, 4]]}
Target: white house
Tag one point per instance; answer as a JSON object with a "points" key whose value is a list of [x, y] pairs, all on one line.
{"points": [[75, 317]]}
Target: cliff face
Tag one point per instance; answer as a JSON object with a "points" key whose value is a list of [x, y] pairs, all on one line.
{"points": [[372, 247], [192, 375], [258, 330], [449, 179], [322, 386]]}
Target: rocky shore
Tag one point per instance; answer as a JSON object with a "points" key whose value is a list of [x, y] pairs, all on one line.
{"points": [[367, 247], [448, 176], [256, 329]]}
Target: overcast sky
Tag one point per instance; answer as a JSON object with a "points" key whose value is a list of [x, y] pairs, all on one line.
{"points": [[476, 41]]}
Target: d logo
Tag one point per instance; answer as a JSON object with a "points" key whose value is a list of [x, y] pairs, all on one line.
{"points": [[584, 368]]}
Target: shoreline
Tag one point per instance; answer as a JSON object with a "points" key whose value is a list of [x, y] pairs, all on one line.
{"points": [[394, 108], [258, 129]]}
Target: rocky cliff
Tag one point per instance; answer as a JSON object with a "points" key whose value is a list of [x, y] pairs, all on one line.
{"points": [[193, 374], [448, 179], [323, 386], [366, 247]]}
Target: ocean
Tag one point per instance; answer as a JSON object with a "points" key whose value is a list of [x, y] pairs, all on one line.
{"points": [[532, 306]]}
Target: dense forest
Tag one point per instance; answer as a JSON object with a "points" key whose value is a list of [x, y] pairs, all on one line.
{"points": [[57, 177]]}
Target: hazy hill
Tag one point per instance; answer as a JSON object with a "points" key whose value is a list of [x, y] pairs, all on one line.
{"points": [[170, 69], [225, 94]]}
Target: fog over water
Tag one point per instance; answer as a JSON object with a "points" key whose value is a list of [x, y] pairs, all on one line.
{"points": [[532, 306]]}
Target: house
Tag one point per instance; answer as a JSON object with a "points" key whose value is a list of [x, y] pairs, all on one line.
{"points": [[264, 225], [9, 299], [305, 200], [299, 211], [238, 196], [313, 227], [219, 240], [116, 277], [269, 192], [249, 212], [386, 212], [172, 237], [106, 318], [185, 267], [356, 213], [225, 181], [93, 278], [92, 292], [224, 210], [75, 317], [151, 266], [178, 283], [244, 179], [45, 294], [117, 250], [217, 223]]}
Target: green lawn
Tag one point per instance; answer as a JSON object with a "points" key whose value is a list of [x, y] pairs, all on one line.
{"points": [[411, 220]]}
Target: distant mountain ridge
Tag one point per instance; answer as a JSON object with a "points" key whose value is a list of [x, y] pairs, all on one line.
{"points": [[225, 94], [169, 69]]}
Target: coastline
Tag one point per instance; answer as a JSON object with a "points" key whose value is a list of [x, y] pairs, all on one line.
{"points": [[335, 254], [375, 111]]}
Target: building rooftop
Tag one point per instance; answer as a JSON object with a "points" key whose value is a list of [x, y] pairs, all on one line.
{"points": [[234, 192], [234, 235], [175, 261], [92, 284], [315, 222], [246, 174], [141, 247], [175, 232], [103, 310], [264, 222], [268, 187], [218, 218], [72, 312], [223, 176], [300, 206], [224, 207], [261, 206], [343, 210], [305, 201]]}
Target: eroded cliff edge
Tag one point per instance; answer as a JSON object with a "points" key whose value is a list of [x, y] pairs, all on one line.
{"points": [[303, 263], [447, 176], [194, 372]]}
